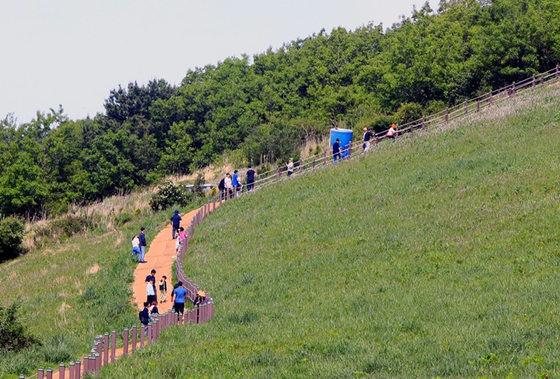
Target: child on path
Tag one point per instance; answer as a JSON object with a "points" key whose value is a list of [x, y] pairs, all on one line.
{"points": [[154, 309], [163, 288]]}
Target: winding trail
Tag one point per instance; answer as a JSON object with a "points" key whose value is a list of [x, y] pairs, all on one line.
{"points": [[160, 256]]}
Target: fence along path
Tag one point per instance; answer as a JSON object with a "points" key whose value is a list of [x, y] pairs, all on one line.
{"points": [[468, 107], [106, 347]]}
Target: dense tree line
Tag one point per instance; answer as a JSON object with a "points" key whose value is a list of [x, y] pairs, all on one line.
{"points": [[265, 106]]}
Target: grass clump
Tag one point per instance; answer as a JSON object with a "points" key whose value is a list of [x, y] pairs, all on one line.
{"points": [[435, 256]]}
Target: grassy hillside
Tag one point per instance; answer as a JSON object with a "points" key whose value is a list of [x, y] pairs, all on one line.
{"points": [[435, 256], [72, 290]]}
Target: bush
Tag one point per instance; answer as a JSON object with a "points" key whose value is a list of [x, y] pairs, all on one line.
{"points": [[409, 112], [13, 335], [169, 194], [11, 237]]}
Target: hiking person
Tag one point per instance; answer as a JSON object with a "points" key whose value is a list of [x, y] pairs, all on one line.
{"points": [[336, 150], [136, 246], [144, 315], [290, 167], [367, 136], [163, 288], [175, 222], [152, 278], [250, 178], [200, 298], [178, 298], [150, 293], [228, 184], [392, 132], [236, 181], [154, 309], [222, 187], [142, 245]]}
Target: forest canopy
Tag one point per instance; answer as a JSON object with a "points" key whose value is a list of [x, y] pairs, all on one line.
{"points": [[266, 106]]}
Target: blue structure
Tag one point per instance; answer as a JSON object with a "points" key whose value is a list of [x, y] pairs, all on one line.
{"points": [[344, 135]]}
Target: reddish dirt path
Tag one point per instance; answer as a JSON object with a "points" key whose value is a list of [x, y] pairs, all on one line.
{"points": [[160, 256]]}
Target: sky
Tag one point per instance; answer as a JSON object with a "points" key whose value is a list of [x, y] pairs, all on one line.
{"points": [[74, 52]]}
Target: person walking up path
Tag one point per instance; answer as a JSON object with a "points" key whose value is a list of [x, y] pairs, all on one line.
{"points": [[160, 257]]}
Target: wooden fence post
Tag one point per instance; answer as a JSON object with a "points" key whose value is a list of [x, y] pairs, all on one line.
{"points": [[534, 81], [556, 74], [423, 122], [41, 373], [446, 115], [125, 341], [113, 345], [77, 369], [71, 370], [466, 107], [61, 371], [49, 372], [324, 158], [478, 105], [134, 332], [490, 98], [105, 349]]}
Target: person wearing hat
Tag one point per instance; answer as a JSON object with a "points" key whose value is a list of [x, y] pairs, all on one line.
{"points": [[200, 298], [175, 222], [367, 136], [178, 298], [391, 133], [290, 167]]}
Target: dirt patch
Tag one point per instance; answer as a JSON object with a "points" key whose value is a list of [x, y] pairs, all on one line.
{"points": [[63, 307], [93, 269]]}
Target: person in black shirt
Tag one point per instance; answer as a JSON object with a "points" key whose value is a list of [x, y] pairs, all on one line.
{"points": [[367, 136], [250, 178]]}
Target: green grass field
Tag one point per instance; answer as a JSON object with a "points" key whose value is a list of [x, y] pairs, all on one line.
{"points": [[435, 256]]}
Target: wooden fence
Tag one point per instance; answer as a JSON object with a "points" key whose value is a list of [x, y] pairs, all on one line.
{"points": [[105, 347], [108, 347], [468, 107]]}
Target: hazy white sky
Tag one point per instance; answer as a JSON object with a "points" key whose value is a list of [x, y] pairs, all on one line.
{"points": [[73, 52]]}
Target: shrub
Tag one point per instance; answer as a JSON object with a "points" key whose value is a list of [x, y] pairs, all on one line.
{"points": [[169, 194], [13, 336], [11, 237], [197, 189]]}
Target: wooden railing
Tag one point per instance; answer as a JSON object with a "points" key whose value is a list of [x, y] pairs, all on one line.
{"points": [[108, 347], [461, 110]]}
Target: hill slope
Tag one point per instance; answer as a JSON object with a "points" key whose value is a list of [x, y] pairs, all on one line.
{"points": [[432, 256]]}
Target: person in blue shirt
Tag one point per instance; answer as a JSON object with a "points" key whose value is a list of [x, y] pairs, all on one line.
{"points": [[236, 182], [178, 298], [175, 222], [336, 150]]}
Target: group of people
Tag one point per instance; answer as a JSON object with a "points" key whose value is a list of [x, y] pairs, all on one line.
{"points": [[178, 298], [341, 152], [234, 183]]}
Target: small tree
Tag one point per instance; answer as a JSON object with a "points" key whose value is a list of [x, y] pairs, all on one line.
{"points": [[13, 335], [169, 194], [11, 237], [198, 189]]}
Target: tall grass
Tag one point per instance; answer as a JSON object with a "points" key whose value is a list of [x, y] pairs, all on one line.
{"points": [[434, 256]]}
